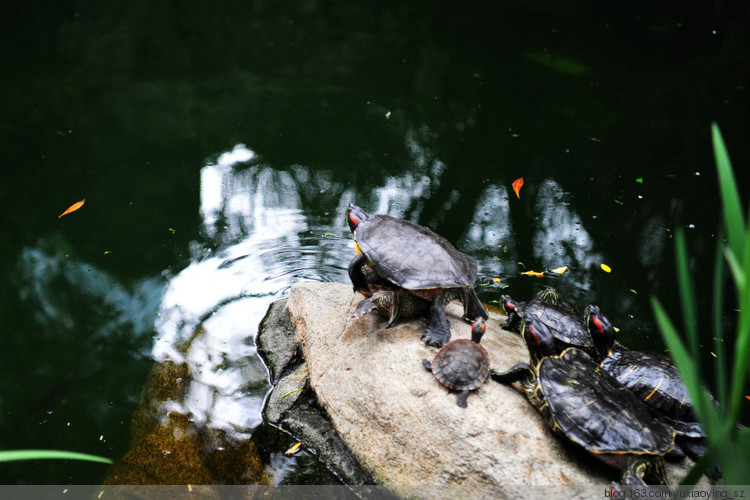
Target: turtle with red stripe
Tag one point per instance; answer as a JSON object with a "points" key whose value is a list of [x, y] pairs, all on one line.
{"points": [[462, 365], [654, 379], [582, 403], [416, 269]]}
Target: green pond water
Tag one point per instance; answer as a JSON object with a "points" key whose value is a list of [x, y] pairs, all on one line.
{"points": [[217, 146]]}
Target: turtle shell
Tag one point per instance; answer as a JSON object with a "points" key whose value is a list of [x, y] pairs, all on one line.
{"points": [[590, 407], [411, 256], [461, 365], [654, 379], [567, 327]]}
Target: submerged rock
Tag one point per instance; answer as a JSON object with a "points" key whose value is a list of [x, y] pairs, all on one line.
{"points": [[359, 395]]}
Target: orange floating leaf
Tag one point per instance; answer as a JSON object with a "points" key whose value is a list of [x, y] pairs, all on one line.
{"points": [[748, 397], [293, 449], [536, 274], [606, 268], [72, 208], [559, 270], [517, 186]]}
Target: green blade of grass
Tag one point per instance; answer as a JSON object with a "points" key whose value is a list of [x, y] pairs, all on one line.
{"points": [[730, 196], [718, 322], [687, 295], [11, 455]]}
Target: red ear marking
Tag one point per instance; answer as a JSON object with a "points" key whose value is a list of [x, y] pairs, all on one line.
{"points": [[598, 323], [536, 337], [354, 221]]}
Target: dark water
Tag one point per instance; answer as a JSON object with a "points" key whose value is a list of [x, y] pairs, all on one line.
{"points": [[217, 147]]}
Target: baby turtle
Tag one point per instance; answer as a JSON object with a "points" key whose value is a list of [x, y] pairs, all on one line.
{"points": [[396, 255], [588, 407], [462, 365]]}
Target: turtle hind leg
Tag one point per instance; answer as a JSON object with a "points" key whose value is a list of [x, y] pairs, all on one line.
{"points": [[642, 471], [473, 307], [438, 331], [461, 399]]}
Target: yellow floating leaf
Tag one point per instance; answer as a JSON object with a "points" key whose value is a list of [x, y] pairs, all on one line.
{"points": [[714, 355], [496, 280], [606, 268], [559, 270], [293, 449], [72, 208], [533, 273]]}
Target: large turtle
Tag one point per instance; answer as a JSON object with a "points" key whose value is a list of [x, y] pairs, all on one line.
{"points": [[559, 316], [653, 378], [582, 403], [462, 365], [399, 256]]}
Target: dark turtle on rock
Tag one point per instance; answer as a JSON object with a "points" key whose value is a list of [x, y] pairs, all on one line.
{"points": [[654, 379], [405, 259], [588, 407], [462, 365], [560, 317]]}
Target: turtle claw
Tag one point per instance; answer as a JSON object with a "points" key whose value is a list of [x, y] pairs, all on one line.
{"points": [[435, 339], [364, 307]]}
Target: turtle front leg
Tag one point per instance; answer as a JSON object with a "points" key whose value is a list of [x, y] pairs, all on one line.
{"points": [[438, 331], [521, 371], [461, 399], [642, 471]]}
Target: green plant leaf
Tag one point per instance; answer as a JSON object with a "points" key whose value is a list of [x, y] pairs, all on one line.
{"points": [[11, 455], [687, 294], [730, 196]]}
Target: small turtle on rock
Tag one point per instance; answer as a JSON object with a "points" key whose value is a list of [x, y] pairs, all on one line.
{"points": [[409, 262], [462, 365]]}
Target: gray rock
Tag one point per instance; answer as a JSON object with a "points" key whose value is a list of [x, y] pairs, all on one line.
{"points": [[292, 405], [404, 427]]}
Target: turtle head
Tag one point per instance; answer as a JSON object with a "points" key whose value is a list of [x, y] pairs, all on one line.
{"points": [[549, 295], [355, 215], [600, 328], [508, 304], [477, 330], [539, 339]]}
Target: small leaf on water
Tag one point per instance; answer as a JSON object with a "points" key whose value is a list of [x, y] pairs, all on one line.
{"points": [[293, 449], [639, 180], [634, 292], [517, 184], [172, 230], [73, 208], [748, 398], [496, 280], [536, 274], [595, 139], [606, 268], [619, 202], [559, 270], [714, 355], [107, 252]]}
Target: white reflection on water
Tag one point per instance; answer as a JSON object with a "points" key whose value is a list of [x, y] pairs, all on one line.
{"points": [[561, 238], [211, 310]]}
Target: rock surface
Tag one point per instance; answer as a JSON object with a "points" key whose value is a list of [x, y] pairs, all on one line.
{"points": [[403, 427]]}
